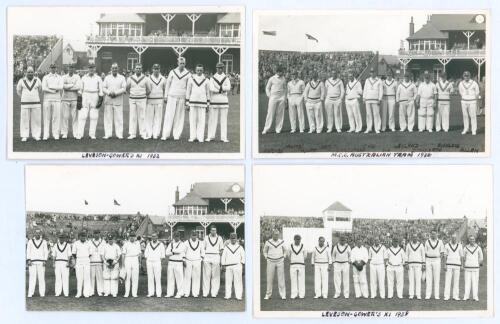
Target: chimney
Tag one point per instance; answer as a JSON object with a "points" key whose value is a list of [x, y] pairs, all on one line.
{"points": [[412, 27], [177, 194]]}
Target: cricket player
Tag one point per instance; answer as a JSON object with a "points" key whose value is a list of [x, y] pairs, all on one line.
{"points": [[372, 96], [341, 255], [276, 92], [395, 259], [37, 253], [28, 89], [434, 250], [91, 91], [274, 253], [193, 255], [297, 255], [175, 270], [96, 266], [321, 261], [219, 87], [138, 89], [473, 259], [314, 94], [154, 109], [131, 252], [334, 88], [114, 86], [213, 245], [61, 252], [406, 95], [453, 255], [469, 92], [389, 87], [52, 85], [198, 102], [359, 259], [233, 260], [110, 274], [71, 86], [295, 90], [353, 92], [82, 251], [175, 97], [376, 259], [444, 90], [415, 256], [154, 253], [426, 98]]}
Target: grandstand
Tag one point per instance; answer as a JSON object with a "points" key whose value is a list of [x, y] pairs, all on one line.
{"points": [[37, 51]]}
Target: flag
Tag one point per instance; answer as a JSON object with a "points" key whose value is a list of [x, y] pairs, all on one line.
{"points": [[116, 203], [269, 32], [432, 209], [309, 37], [406, 210], [85, 202]]}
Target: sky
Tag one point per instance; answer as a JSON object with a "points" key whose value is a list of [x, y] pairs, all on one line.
{"points": [[374, 191], [146, 189], [342, 31]]}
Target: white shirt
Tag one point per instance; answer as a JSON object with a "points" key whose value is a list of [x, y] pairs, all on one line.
{"points": [[213, 247], [427, 91], [276, 87], [37, 250], [468, 90], [407, 91], [314, 92], [321, 255], [454, 253], [473, 256], [444, 89], [341, 253], [83, 251], [233, 254], [154, 251], [274, 250], [219, 86], [377, 254], [175, 251], [116, 84], [177, 83], [198, 91], [131, 249], [111, 252], [295, 88], [71, 85], [297, 254], [373, 90], [390, 87], [395, 256], [52, 85], [359, 254], [193, 250], [433, 249], [138, 86], [353, 90], [29, 91], [61, 251], [334, 89], [415, 253], [98, 247], [157, 89], [91, 84]]}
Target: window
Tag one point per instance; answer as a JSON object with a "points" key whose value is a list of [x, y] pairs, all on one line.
{"points": [[342, 219], [229, 30], [132, 60], [106, 56], [227, 59]]}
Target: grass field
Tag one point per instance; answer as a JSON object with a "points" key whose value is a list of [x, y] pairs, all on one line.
{"points": [[137, 144], [452, 141], [139, 304], [361, 304]]}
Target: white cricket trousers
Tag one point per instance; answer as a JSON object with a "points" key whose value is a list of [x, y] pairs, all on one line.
{"points": [[153, 269], [333, 109], [279, 268], [89, 102], [154, 114], [51, 115], [175, 277], [321, 280], [469, 112], [388, 107], [234, 275], [33, 117], [36, 272], [298, 280], [82, 270], [426, 114], [211, 277], [373, 120], [395, 273], [471, 278], [96, 280], [360, 282], [354, 115], [175, 112], [341, 277], [443, 115], [213, 118], [314, 116], [61, 272], [137, 117], [452, 277], [296, 112], [68, 108], [432, 275], [197, 123], [113, 114], [377, 278], [132, 270], [406, 115], [414, 280], [110, 280], [276, 111], [192, 278]]}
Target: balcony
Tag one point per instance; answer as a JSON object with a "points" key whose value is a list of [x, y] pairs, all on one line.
{"points": [[220, 218], [164, 41], [443, 54]]}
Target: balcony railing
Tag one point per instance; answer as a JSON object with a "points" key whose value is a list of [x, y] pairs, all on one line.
{"points": [[205, 218], [160, 40], [453, 53]]}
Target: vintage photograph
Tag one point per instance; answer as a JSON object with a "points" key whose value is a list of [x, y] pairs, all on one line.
{"points": [[371, 81], [124, 79], [413, 241], [131, 238]]}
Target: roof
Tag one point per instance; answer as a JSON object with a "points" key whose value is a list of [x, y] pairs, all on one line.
{"points": [[209, 190], [389, 59], [157, 220], [229, 18], [120, 18], [191, 199], [462, 22], [337, 206], [428, 31]]}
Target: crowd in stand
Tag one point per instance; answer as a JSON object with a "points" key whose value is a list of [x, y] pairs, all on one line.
{"points": [[30, 50]]}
